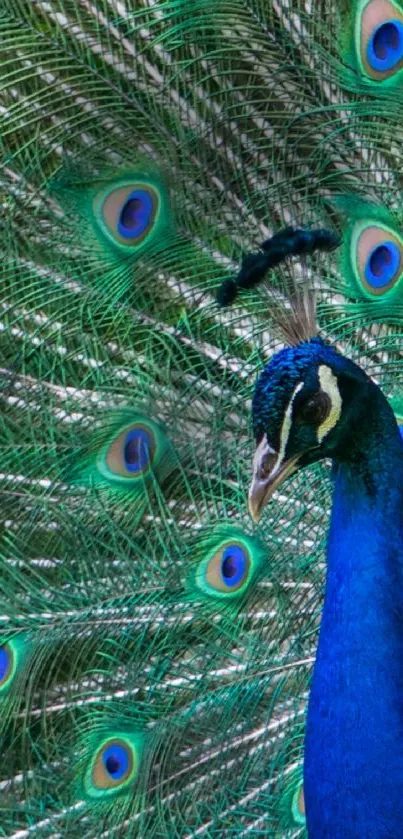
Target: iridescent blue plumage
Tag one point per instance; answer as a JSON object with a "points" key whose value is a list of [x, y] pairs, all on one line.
{"points": [[354, 744]]}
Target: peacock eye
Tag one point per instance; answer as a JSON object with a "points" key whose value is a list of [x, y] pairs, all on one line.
{"points": [[137, 450], [377, 255], [298, 805], [126, 450], [292, 802], [6, 664], [315, 410], [381, 39], [128, 214], [301, 802], [225, 562], [114, 766], [130, 455], [228, 568], [13, 656]]}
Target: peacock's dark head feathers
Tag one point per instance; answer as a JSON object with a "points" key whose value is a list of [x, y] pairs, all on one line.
{"points": [[307, 405]]}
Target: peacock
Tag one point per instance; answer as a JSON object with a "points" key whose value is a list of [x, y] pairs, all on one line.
{"points": [[201, 395]]}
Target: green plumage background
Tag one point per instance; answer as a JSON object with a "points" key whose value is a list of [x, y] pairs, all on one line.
{"points": [[243, 116]]}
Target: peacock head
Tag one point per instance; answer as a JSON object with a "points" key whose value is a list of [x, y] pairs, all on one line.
{"points": [[307, 405]]}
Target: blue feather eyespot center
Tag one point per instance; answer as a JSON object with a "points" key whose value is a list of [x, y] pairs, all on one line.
{"points": [[230, 563], [382, 265], [136, 214], [116, 761], [385, 47], [115, 765], [5, 663], [234, 565], [137, 450]]}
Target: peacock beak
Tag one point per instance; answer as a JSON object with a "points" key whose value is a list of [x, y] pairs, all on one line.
{"points": [[269, 472]]}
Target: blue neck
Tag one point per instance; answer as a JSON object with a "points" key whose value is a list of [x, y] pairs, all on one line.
{"points": [[354, 739]]}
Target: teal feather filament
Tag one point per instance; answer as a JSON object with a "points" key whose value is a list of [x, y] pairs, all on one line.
{"points": [[397, 407]]}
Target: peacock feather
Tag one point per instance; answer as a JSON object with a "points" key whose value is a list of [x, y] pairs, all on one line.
{"points": [[157, 644]]}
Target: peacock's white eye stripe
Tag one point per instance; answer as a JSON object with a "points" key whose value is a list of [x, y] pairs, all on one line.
{"points": [[285, 430], [265, 448], [328, 383], [287, 423]]}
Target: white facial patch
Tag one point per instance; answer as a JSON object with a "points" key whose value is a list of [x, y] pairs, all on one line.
{"points": [[285, 430], [328, 383], [287, 423]]}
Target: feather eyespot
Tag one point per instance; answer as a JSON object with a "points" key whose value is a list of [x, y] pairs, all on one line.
{"points": [[381, 39], [382, 265], [225, 562], [13, 656], [377, 256], [114, 766], [128, 215], [131, 453], [228, 568], [138, 446], [126, 450], [298, 806], [6, 665], [292, 801], [136, 214], [315, 409], [385, 46]]}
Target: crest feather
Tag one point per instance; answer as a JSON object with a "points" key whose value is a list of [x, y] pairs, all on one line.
{"points": [[297, 322]]}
